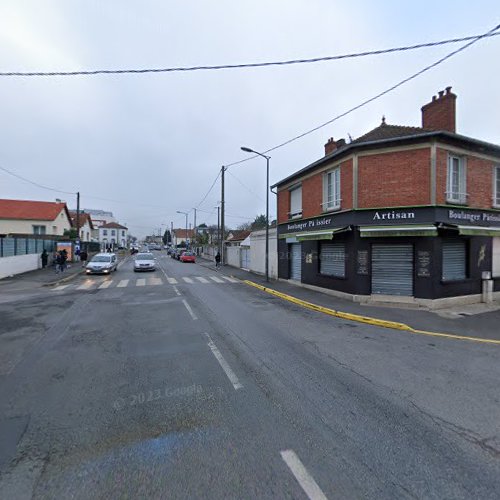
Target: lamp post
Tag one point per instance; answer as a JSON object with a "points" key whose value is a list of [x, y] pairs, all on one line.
{"points": [[186, 214], [248, 150]]}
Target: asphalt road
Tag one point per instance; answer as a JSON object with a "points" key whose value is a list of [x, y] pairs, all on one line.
{"points": [[185, 383]]}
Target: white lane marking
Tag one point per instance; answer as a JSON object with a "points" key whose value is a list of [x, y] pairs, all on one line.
{"points": [[227, 369], [105, 284], [231, 280], [187, 280], [85, 286], [201, 280], [176, 290], [60, 287], [155, 281], [190, 311], [172, 281], [306, 481], [217, 280], [141, 282], [122, 283]]}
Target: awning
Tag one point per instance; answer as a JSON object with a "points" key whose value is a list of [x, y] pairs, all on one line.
{"points": [[327, 234], [473, 230], [406, 230]]}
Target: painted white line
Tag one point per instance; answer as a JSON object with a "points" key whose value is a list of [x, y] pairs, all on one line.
{"points": [[190, 311], [176, 290], [217, 280], [155, 281], [187, 280], [201, 280], [172, 281], [85, 286], [141, 282], [105, 284], [122, 283], [306, 481], [231, 280], [60, 287], [218, 356]]}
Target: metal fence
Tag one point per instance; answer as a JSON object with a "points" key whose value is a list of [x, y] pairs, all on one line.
{"points": [[9, 246]]}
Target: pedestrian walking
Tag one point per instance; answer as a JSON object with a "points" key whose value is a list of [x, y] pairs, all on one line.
{"points": [[83, 257], [63, 255], [217, 260], [45, 258], [57, 262]]}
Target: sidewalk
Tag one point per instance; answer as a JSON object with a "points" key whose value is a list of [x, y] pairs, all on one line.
{"points": [[477, 320], [40, 277]]}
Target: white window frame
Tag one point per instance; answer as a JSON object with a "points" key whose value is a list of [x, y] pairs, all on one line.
{"points": [[331, 200], [295, 213], [456, 185], [39, 229], [496, 186]]}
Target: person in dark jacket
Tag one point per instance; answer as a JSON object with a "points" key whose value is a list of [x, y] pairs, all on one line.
{"points": [[45, 258], [83, 257], [217, 260]]}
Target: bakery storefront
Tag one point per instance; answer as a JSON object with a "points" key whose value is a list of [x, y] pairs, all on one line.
{"points": [[421, 252]]}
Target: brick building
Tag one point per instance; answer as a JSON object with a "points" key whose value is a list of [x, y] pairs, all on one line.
{"points": [[403, 211]]}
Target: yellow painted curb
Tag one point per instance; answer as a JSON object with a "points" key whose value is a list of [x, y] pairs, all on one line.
{"points": [[366, 319]]}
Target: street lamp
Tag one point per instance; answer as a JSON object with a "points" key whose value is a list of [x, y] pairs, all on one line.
{"points": [[186, 214], [248, 150]]}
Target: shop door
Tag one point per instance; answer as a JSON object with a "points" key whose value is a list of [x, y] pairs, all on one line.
{"points": [[296, 261], [245, 257], [392, 270]]}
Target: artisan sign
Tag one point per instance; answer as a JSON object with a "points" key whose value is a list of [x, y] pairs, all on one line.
{"points": [[393, 215]]}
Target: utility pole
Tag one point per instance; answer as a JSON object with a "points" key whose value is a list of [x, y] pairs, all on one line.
{"points": [[221, 251], [218, 228], [171, 232], [194, 232], [78, 216]]}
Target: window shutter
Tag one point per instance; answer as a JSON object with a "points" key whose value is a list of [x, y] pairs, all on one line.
{"points": [[454, 264], [332, 259]]}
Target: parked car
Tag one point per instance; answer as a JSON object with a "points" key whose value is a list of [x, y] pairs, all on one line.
{"points": [[102, 263], [144, 262], [188, 257]]}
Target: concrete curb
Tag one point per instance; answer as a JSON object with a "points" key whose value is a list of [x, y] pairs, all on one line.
{"points": [[366, 319], [64, 280]]}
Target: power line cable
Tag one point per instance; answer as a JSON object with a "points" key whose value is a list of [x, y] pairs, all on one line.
{"points": [[246, 187], [208, 192], [239, 66], [375, 97], [35, 183]]}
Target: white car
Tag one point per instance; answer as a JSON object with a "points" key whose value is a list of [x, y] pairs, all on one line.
{"points": [[144, 262], [102, 263]]}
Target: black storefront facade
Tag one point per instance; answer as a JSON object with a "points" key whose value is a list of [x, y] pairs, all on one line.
{"points": [[422, 252]]}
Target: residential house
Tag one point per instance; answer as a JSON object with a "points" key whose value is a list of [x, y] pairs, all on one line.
{"points": [[34, 217], [113, 235], [86, 225], [182, 236], [412, 212]]}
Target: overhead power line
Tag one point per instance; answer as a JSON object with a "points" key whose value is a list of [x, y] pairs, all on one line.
{"points": [[375, 97], [242, 65]]}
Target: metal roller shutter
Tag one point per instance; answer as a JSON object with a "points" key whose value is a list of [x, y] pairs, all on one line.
{"points": [[332, 259], [454, 265], [296, 261], [392, 270]]}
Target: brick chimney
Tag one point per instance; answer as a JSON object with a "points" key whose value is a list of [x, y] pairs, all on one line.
{"points": [[332, 145], [439, 114]]}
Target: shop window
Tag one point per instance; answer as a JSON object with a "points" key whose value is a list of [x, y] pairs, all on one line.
{"points": [[331, 190], [456, 180], [495, 271], [332, 259], [454, 260], [295, 202], [496, 189]]}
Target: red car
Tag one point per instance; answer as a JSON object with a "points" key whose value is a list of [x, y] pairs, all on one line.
{"points": [[188, 257]]}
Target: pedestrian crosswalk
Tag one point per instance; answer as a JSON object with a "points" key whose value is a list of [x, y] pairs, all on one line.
{"points": [[96, 284]]}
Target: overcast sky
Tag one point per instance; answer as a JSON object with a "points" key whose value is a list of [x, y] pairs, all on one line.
{"points": [[145, 146]]}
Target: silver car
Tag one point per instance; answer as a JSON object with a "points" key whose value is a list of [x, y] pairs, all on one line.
{"points": [[102, 263], [144, 262]]}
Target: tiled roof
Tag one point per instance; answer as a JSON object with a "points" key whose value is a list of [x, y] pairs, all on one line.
{"points": [[31, 210], [84, 217], [385, 131], [238, 235], [183, 233], [113, 225]]}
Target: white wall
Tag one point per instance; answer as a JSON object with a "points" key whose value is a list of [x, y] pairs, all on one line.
{"points": [[61, 223], [233, 256], [258, 252], [19, 264]]}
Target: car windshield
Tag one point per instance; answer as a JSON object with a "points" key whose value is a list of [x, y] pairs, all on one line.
{"points": [[144, 256], [101, 258]]}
